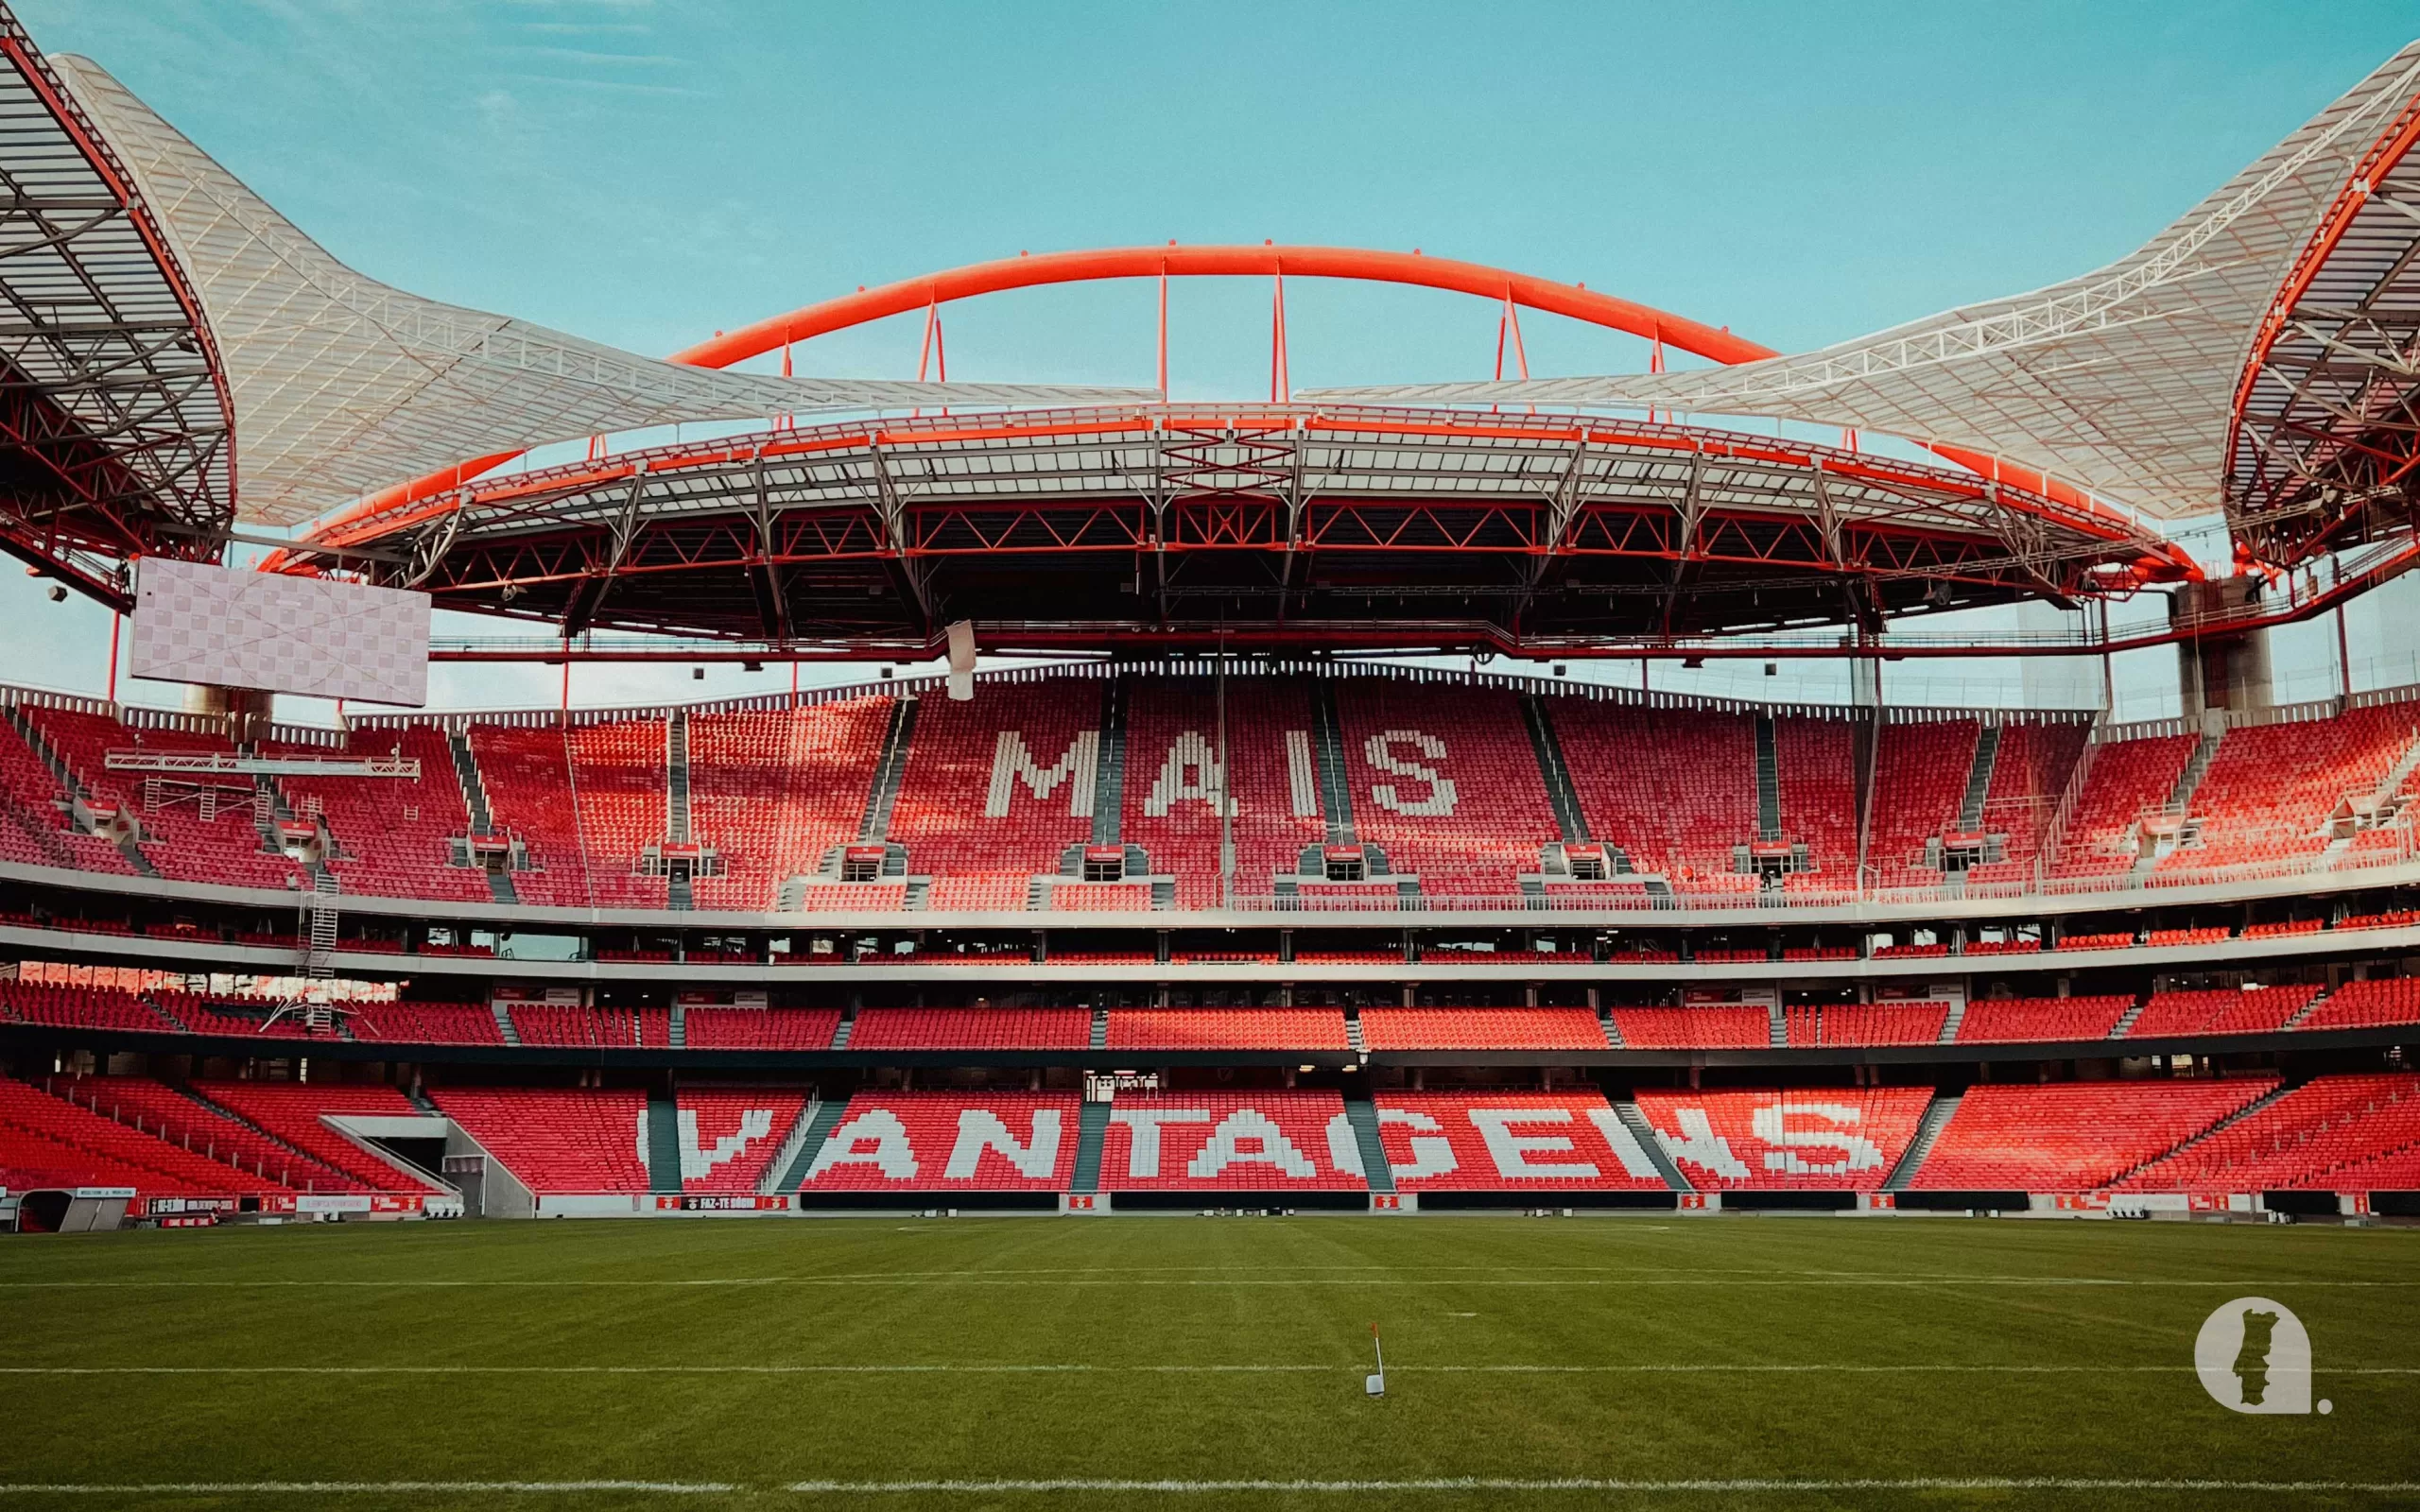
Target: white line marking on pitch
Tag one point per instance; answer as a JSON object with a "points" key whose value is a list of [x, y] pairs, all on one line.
{"points": [[370, 1487], [1806, 1283], [1924, 1368], [1976, 1482]]}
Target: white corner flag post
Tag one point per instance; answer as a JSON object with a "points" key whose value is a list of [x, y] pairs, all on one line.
{"points": [[1375, 1384]]}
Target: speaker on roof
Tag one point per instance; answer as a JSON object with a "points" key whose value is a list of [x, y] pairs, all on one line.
{"points": [[961, 661]]}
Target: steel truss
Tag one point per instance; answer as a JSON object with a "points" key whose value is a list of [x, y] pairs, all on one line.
{"points": [[1341, 526], [114, 418]]}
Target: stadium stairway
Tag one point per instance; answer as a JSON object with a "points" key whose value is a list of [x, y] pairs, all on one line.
{"points": [[504, 1023], [1560, 795], [847, 1026], [1768, 780], [475, 801], [1327, 754], [2179, 1146], [2125, 1024], [2180, 797], [677, 1027], [1374, 1168], [663, 1143], [1950, 1025], [1937, 1117], [1109, 769], [814, 1126], [1099, 1040], [1777, 1028], [1092, 1132], [1978, 778], [1611, 1030], [890, 769], [1644, 1132]]}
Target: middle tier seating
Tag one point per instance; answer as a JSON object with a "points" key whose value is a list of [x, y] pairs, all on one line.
{"points": [[712, 1029], [2220, 1011], [2000, 1020], [1227, 1029], [1480, 1029], [1866, 1024], [972, 1029], [1834, 1139], [1698, 1028], [2367, 1005]]}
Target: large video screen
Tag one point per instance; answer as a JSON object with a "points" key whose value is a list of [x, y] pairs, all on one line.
{"points": [[238, 628]]}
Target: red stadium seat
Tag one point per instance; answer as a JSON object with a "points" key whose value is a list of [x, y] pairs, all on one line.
{"points": [[946, 1141], [1230, 1142], [1833, 1138], [1523, 1142]]}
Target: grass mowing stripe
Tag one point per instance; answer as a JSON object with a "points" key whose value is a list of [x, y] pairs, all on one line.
{"points": [[893, 1282]]}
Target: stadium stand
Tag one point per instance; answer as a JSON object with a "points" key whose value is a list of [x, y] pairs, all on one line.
{"points": [[2000, 1020], [391, 836], [2220, 1011], [80, 1007], [942, 1142], [1673, 788], [1235, 1141], [1692, 1029], [2264, 797], [1528, 1142], [526, 772], [618, 784], [1447, 787], [293, 1113], [995, 789], [972, 1029], [1866, 1024], [556, 1140], [728, 1136], [2365, 1005], [156, 1108], [711, 1028], [47, 1141], [2127, 780], [1817, 765], [772, 790], [1920, 776], [2296, 1141], [2073, 1136], [426, 1024], [1834, 1139], [1480, 1029], [1227, 1029]]}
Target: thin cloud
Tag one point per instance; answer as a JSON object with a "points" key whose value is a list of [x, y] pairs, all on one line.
{"points": [[618, 86]]}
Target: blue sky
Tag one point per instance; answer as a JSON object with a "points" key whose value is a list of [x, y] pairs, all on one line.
{"points": [[647, 173]]}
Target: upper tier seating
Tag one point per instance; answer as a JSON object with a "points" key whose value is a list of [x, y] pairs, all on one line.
{"points": [[761, 1029], [391, 835], [1480, 1029], [291, 1111], [1692, 1029], [1818, 770], [557, 1139], [2265, 795], [34, 830], [972, 1029], [47, 1141], [1449, 787], [1867, 1023], [619, 780], [225, 850], [2220, 1011], [2128, 779], [1227, 1029], [994, 789], [1990, 1020], [772, 790], [1675, 788], [526, 772], [1530, 1141], [2296, 1141], [2365, 1005], [939, 1141], [1233, 1142], [2073, 1136], [1835, 1138], [2029, 775], [729, 1135], [1171, 749], [1919, 780]]}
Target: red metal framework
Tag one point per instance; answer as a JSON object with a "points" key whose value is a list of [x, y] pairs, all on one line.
{"points": [[2323, 446], [115, 415]]}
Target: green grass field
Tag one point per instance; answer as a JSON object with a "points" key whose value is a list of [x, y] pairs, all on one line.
{"points": [[746, 1357]]}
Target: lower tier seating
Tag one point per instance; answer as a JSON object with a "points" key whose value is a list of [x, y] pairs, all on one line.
{"points": [[939, 1141], [1841, 1138], [1233, 1142], [158, 1109], [2296, 1141], [2073, 1136], [557, 1139], [294, 1113], [729, 1135], [1541, 1141], [47, 1141]]}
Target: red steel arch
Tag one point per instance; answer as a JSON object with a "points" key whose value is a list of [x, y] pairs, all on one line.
{"points": [[1411, 268]]}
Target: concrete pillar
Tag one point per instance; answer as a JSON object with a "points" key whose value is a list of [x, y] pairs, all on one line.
{"points": [[246, 711], [2220, 671]]}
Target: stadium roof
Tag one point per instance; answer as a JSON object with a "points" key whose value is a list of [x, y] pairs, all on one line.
{"points": [[114, 419], [2122, 381], [1195, 525], [343, 384]]}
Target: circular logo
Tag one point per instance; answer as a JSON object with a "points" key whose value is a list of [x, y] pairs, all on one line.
{"points": [[2253, 1355]]}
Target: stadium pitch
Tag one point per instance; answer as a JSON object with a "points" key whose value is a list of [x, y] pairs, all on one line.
{"points": [[1197, 1363]]}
